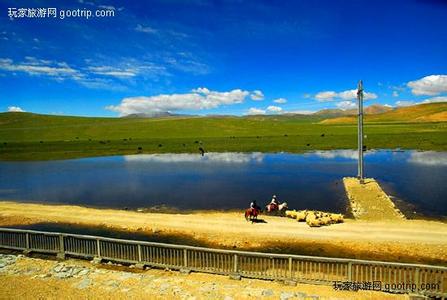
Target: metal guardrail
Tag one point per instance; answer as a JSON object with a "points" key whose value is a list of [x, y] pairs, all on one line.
{"points": [[393, 277]]}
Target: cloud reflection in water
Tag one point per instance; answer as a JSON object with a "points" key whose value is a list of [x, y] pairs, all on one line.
{"points": [[430, 158], [212, 157]]}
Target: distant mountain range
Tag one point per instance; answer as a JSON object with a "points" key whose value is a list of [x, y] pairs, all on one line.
{"points": [[152, 115], [430, 112], [370, 110], [328, 113]]}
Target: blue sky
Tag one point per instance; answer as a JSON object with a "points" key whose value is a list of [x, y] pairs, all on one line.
{"points": [[221, 57]]}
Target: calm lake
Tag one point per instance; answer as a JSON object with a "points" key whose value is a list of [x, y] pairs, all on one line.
{"points": [[227, 180]]}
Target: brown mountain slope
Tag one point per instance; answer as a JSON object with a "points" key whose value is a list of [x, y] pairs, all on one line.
{"points": [[430, 112], [377, 109], [336, 112]]}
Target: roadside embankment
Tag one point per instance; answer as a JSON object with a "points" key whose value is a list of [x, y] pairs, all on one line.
{"points": [[397, 240], [34, 278], [369, 202]]}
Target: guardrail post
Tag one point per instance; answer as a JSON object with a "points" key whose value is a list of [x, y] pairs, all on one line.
{"points": [[27, 244], [27, 241], [97, 259], [140, 265], [235, 275], [139, 253], [235, 263], [184, 269], [290, 280], [290, 268], [61, 253], [416, 279], [98, 248], [349, 271]]}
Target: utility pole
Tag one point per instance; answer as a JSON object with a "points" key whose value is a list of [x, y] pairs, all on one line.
{"points": [[360, 130]]}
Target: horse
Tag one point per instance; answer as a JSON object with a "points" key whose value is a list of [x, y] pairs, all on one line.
{"points": [[275, 208], [251, 214]]}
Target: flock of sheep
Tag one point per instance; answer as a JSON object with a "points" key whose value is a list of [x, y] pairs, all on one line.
{"points": [[314, 218]]}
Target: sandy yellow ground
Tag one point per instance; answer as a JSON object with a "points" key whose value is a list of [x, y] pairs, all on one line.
{"points": [[399, 240]]}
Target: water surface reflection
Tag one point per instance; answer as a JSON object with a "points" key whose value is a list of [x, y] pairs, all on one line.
{"points": [[226, 180]]}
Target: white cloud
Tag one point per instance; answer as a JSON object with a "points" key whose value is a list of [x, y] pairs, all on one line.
{"points": [[346, 105], [197, 99], [435, 99], [101, 83], [256, 111], [402, 103], [274, 109], [270, 109], [96, 77], [397, 88], [33, 66], [429, 85], [118, 75], [280, 100], [349, 95], [15, 109], [145, 29], [300, 112], [257, 95], [187, 64], [115, 72], [107, 7], [395, 94], [86, 2], [326, 96], [352, 94]]}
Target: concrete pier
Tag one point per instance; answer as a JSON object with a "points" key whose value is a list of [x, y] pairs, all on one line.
{"points": [[369, 202]]}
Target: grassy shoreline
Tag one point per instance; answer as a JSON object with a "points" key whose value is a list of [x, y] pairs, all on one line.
{"points": [[55, 150], [40, 137]]}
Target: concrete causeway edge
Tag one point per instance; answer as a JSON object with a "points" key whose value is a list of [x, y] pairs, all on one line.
{"points": [[369, 202]]}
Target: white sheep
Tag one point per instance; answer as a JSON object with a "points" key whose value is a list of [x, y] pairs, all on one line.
{"points": [[291, 214], [337, 218], [301, 215], [325, 220], [312, 220]]}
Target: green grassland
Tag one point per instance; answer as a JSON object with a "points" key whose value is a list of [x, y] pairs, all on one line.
{"points": [[25, 136]]}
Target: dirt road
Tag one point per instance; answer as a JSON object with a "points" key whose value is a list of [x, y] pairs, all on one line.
{"points": [[404, 241]]}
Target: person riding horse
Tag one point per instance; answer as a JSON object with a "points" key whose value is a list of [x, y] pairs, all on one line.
{"points": [[274, 204], [252, 213], [254, 206]]}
